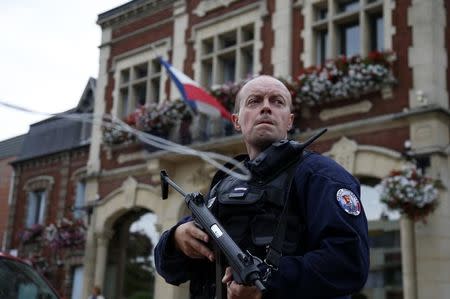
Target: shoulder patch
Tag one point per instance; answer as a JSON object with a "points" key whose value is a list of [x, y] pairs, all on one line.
{"points": [[348, 201]]}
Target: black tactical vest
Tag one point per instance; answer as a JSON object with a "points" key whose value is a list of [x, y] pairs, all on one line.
{"points": [[250, 211]]}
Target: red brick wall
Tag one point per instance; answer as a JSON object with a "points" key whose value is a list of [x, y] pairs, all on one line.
{"points": [[6, 173], [297, 41], [402, 40], [268, 38], [47, 166], [393, 138]]}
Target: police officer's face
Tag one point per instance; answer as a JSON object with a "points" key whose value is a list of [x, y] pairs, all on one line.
{"points": [[265, 114]]}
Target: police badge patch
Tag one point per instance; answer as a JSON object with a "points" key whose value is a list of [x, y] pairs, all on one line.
{"points": [[348, 201]]}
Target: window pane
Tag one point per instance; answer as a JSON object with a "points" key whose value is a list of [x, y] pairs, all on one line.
{"points": [[227, 39], [79, 199], [207, 70], [123, 102], [227, 67], [140, 71], [77, 283], [140, 93], [321, 46], [32, 206], [156, 66], [124, 76], [376, 33], [207, 46], [246, 62], [154, 97], [247, 33], [348, 5], [384, 239], [41, 196], [349, 39], [321, 13]]}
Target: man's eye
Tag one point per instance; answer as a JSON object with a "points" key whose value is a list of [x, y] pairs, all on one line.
{"points": [[252, 101], [279, 101]]}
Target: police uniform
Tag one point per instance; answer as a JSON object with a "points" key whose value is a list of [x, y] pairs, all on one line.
{"points": [[325, 251]]}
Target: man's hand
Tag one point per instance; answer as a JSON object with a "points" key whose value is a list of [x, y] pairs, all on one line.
{"points": [[239, 291], [191, 241]]}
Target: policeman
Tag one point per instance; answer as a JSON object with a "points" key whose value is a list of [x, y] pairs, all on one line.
{"points": [[324, 244]]}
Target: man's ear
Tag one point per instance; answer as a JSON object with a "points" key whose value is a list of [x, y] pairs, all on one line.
{"points": [[291, 121], [235, 120]]}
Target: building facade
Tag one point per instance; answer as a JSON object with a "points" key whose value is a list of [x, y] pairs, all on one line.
{"points": [[48, 190], [9, 149], [217, 43]]}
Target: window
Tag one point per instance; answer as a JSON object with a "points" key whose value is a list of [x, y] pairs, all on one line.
{"points": [[347, 28], [374, 208], [227, 56], [79, 199], [376, 32], [321, 46], [139, 85], [36, 207], [77, 282]]}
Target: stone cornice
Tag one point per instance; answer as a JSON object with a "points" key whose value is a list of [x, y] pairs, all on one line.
{"points": [[131, 10]]}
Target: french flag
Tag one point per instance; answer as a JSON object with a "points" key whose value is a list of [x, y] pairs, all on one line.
{"points": [[195, 96]]}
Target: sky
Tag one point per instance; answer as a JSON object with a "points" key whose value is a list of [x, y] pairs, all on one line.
{"points": [[48, 51]]}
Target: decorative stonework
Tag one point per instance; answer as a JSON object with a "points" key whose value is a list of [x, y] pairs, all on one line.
{"points": [[129, 188], [361, 107], [206, 6], [344, 152], [41, 182]]}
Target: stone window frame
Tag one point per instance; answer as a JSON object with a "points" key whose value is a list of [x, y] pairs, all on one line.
{"points": [[130, 62], [35, 184], [334, 19], [211, 30]]}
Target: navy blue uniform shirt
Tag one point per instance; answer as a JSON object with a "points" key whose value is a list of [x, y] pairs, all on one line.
{"points": [[335, 262]]}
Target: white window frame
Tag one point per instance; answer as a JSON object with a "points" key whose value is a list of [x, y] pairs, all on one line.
{"points": [[131, 59], [332, 21], [39, 184], [37, 204], [211, 29]]}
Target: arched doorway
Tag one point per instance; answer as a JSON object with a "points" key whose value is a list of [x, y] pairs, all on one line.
{"points": [[130, 265]]}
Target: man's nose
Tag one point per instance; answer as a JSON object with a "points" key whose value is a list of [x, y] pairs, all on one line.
{"points": [[266, 106]]}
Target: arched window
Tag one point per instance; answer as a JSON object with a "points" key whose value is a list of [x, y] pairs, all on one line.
{"points": [[370, 198]]}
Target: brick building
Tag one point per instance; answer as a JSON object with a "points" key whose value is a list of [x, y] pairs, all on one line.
{"points": [[215, 42], [9, 149], [49, 182]]}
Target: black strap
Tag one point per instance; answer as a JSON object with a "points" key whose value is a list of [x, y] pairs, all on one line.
{"points": [[275, 249]]}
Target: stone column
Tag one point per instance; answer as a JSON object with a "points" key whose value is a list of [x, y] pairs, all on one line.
{"points": [[408, 247], [89, 260], [102, 254]]}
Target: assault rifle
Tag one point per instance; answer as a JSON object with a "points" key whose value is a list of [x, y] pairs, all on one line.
{"points": [[244, 265]]}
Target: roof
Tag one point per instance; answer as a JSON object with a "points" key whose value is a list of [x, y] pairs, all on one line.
{"points": [[134, 7], [11, 147], [57, 133]]}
